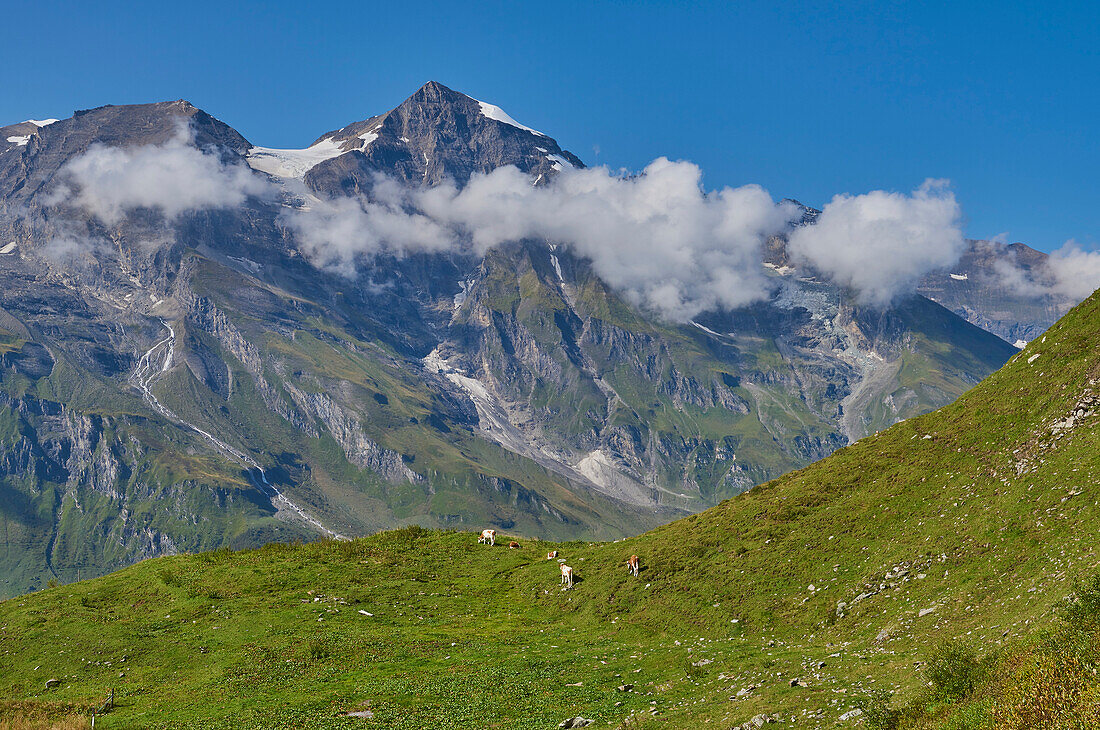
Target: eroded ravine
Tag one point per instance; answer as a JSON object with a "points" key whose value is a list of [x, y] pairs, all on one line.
{"points": [[143, 377]]}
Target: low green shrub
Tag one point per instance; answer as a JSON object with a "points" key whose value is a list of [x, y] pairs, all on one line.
{"points": [[877, 712], [954, 670]]}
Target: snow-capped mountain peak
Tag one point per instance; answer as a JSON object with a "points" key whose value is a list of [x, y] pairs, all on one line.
{"points": [[493, 111]]}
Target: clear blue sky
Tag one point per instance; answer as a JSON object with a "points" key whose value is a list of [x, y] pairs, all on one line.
{"points": [[806, 98]]}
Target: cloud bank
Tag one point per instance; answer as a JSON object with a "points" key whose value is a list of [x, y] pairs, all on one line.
{"points": [[657, 237], [339, 234], [173, 177], [880, 244]]}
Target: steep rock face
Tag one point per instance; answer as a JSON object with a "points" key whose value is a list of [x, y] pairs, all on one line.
{"points": [[588, 390], [658, 413], [346, 429], [205, 315]]}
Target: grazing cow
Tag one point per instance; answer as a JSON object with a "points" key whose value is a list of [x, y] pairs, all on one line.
{"points": [[513, 544], [566, 576], [632, 565], [488, 536], [552, 554]]}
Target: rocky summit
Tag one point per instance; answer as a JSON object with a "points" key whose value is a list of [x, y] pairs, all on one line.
{"points": [[182, 376]]}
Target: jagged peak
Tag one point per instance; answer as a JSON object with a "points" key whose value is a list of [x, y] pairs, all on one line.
{"points": [[438, 93], [435, 134], [434, 88]]}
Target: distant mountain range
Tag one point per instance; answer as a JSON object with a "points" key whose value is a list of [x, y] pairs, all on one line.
{"points": [[176, 383], [976, 290]]}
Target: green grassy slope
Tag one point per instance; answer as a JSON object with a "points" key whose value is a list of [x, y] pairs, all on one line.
{"points": [[1046, 681], [936, 367], [969, 522]]}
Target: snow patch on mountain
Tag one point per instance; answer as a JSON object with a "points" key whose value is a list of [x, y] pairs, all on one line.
{"points": [[781, 270], [460, 296], [368, 137], [495, 112], [557, 267], [558, 162], [20, 141], [294, 163], [708, 330], [247, 263], [959, 277]]}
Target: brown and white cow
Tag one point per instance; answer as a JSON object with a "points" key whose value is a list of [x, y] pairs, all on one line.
{"points": [[632, 565], [513, 545], [488, 536], [552, 554], [566, 576]]}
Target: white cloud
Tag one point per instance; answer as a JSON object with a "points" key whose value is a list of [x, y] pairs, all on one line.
{"points": [[882, 243], [71, 249], [1070, 271], [173, 177], [1022, 281], [336, 234], [657, 237], [1076, 272], [68, 249]]}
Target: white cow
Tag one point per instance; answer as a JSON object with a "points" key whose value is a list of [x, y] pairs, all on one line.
{"points": [[566, 576], [488, 536]]}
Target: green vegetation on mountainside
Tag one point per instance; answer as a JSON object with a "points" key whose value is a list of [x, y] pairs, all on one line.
{"points": [[933, 369], [802, 598], [1045, 681], [313, 366], [673, 401], [91, 483]]}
